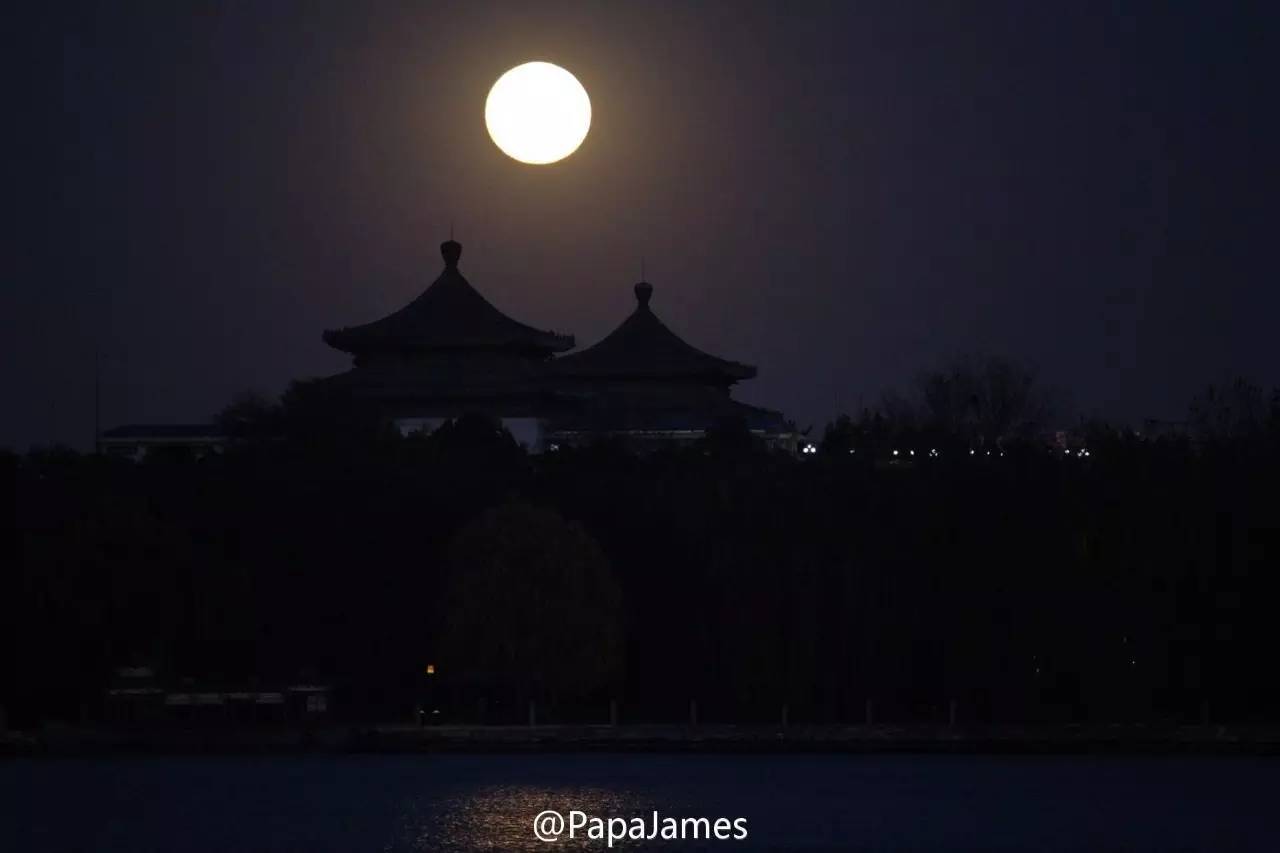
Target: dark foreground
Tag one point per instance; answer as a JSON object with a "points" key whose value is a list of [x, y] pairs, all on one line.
{"points": [[344, 803], [1120, 739]]}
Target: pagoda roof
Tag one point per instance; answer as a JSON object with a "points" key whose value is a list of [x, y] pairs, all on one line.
{"points": [[644, 348], [449, 315]]}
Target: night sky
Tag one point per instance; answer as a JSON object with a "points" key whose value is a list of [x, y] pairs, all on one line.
{"points": [[843, 194]]}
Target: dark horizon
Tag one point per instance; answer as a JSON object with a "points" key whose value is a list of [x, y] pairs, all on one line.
{"points": [[841, 197]]}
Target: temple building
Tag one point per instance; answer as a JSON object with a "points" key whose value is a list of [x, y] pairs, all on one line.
{"points": [[450, 353], [447, 353], [644, 383]]}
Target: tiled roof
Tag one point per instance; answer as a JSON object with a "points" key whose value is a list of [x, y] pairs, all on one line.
{"points": [[448, 315], [644, 348]]}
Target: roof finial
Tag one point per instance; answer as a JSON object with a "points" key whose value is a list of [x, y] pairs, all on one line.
{"points": [[644, 290], [451, 250]]}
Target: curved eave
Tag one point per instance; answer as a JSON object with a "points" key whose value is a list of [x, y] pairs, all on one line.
{"points": [[450, 315], [644, 348], [357, 341], [725, 372]]}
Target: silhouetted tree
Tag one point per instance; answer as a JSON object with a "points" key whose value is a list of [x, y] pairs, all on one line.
{"points": [[729, 437], [321, 414], [985, 399], [1235, 409], [840, 436], [474, 437], [1137, 581], [250, 416], [531, 603]]}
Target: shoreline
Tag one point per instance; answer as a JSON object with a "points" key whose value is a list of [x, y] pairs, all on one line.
{"points": [[1117, 739]]}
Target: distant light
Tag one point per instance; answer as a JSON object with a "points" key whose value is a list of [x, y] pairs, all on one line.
{"points": [[970, 451], [895, 453], [913, 453], [988, 452], [553, 447], [809, 448], [431, 669], [851, 450]]}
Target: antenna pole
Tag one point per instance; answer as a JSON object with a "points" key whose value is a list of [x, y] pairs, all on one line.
{"points": [[97, 398]]}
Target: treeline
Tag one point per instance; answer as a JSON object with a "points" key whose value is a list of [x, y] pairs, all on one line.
{"points": [[1137, 582]]}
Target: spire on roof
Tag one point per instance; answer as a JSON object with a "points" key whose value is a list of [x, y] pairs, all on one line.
{"points": [[644, 291], [644, 348], [448, 315], [451, 250]]}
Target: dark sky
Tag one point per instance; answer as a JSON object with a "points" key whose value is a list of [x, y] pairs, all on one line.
{"points": [[842, 194]]}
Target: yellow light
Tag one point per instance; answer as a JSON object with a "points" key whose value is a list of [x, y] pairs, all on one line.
{"points": [[431, 669], [537, 113]]}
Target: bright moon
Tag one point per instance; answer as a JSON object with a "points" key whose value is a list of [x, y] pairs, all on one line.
{"points": [[538, 113]]}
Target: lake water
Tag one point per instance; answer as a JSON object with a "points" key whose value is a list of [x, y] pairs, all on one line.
{"points": [[488, 802]]}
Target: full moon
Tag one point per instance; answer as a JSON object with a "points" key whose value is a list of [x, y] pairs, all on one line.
{"points": [[537, 113]]}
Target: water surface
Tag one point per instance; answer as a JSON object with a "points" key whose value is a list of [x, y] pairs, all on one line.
{"points": [[488, 802]]}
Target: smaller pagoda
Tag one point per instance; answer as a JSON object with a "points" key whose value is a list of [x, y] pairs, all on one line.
{"points": [[643, 382]]}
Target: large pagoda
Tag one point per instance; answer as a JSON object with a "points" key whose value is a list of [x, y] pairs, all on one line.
{"points": [[645, 383], [450, 352]]}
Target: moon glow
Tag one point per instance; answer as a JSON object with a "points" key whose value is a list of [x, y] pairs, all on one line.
{"points": [[537, 113]]}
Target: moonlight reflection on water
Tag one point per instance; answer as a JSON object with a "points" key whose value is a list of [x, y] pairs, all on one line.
{"points": [[807, 803], [501, 817]]}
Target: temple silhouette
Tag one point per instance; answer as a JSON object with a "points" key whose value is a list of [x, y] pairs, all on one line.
{"points": [[450, 353], [447, 353]]}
